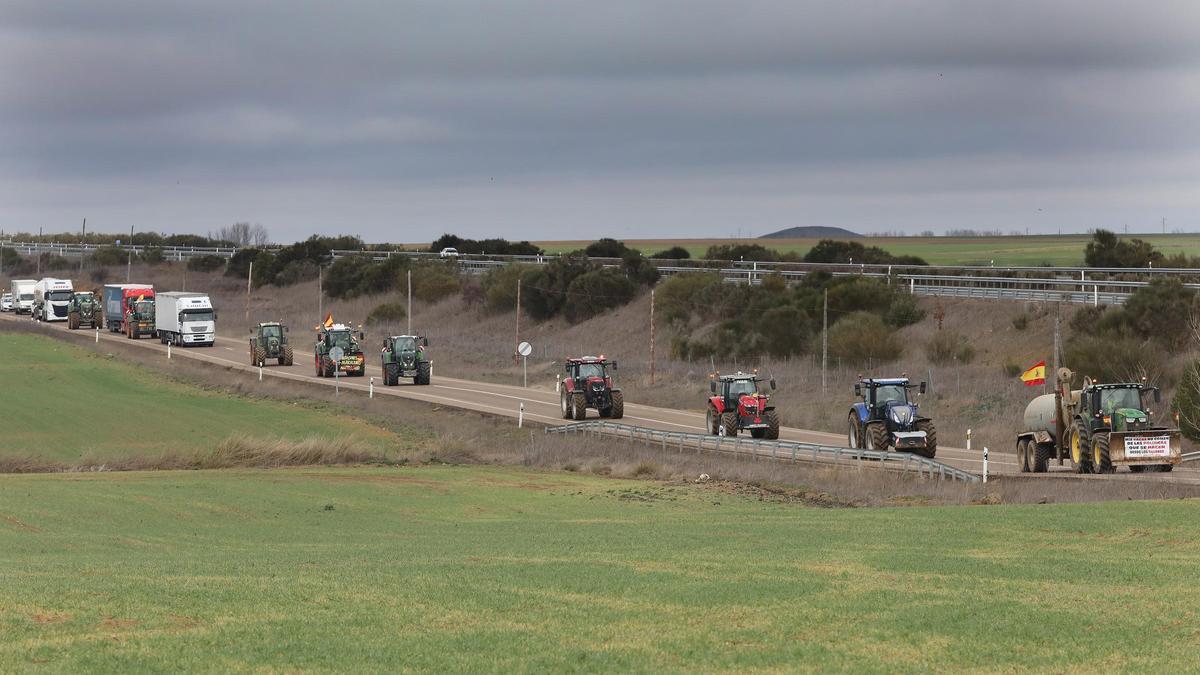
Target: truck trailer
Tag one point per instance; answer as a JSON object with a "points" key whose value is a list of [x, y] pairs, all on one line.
{"points": [[22, 292], [52, 299], [185, 319], [129, 309]]}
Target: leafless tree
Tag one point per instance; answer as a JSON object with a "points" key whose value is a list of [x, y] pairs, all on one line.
{"points": [[245, 234]]}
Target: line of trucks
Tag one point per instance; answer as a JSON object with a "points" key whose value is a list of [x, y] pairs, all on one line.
{"points": [[179, 318], [1096, 428]]}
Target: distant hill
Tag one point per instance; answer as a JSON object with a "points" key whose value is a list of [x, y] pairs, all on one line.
{"points": [[813, 232]]}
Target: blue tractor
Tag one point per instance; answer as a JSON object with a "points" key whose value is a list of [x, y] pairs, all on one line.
{"points": [[887, 418]]}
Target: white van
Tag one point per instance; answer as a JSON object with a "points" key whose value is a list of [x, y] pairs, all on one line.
{"points": [[185, 319], [52, 299], [22, 293]]}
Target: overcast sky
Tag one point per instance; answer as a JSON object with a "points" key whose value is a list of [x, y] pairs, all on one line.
{"points": [[569, 120]]}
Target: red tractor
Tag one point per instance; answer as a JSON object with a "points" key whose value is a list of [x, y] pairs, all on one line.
{"points": [[740, 402], [588, 384]]}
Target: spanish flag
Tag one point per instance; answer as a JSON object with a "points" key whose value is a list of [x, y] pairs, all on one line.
{"points": [[1035, 375], [329, 321]]}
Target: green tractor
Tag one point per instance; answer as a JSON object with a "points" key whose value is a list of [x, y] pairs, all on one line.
{"points": [[345, 341], [269, 341], [404, 356], [84, 308]]}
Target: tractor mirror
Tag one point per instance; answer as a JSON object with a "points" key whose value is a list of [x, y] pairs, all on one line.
{"points": [[922, 389], [424, 342], [614, 365], [362, 335], [252, 331], [772, 384], [858, 390], [712, 386], [285, 329], [1157, 395]]}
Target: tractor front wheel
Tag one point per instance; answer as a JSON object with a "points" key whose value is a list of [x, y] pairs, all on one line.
{"points": [[930, 438], [712, 421], [565, 400], [317, 365], [729, 421], [1101, 461], [422, 373], [287, 358], [578, 405], [772, 430], [876, 436], [618, 405], [853, 433], [1080, 459]]}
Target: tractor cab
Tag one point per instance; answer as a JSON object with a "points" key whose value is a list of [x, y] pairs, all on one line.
{"points": [[740, 401], [590, 372], [1118, 407]]}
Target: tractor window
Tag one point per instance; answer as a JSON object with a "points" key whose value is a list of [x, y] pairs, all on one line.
{"points": [[742, 388], [587, 370], [891, 393], [1114, 399], [406, 344], [340, 339], [272, 331]]}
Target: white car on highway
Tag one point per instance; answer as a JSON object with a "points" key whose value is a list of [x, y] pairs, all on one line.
{"points": [[449, 253], [6, 302]]}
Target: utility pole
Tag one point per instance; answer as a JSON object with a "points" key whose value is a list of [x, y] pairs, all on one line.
{"points": [[249, 277], [320, 296], [129, 264], [1054, 358], [410, 302], [518, 340], [825, 343], [651, 336], [39, 253], [82, 243]]}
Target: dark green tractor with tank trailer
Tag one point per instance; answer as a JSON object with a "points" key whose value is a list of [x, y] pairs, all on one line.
{"points": [[1097, 428], [406, 356]]}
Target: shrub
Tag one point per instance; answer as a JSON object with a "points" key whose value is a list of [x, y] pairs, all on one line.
{"points": [[949, 347], [353, 276], [500, 287], [678, 296], [152, 255], [1159, 311], [673, 253], [434, 282], [388, 312], [1187, 402], [1012, 370], [785, 331], [485, 246], [10, 258], [291, 273], [638, 268], [742, 252], [1020, 321], [836, 251], [109, 256], [594, 292], [903, 311], [1116, 358], [205, 263], [1107, 250], [862, 337], [607, 248], [544, 289]]}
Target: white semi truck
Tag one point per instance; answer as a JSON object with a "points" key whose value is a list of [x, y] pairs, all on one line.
{"points": [[22, 292], [185, 319], [52, 299]]}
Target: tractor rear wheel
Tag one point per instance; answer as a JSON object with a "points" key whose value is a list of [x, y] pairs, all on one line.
{"points": [[618, 405], [317, 365], [772, 431], [578, 405], [712, 421], [422, 373], [875, 436], [565, 401], [930, 438], [1041, 457], [72, 321], [729, 421], [288, 357], [1080, 457], [853, 433], [1101, 462]]}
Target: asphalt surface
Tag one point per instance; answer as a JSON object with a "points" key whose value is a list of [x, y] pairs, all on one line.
{"points": [[542, 403]]}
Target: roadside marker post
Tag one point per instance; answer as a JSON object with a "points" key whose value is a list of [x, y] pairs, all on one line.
{"points": [[521, 415], [260, 372], [98, 339], [168, 347], [371, 388], [985, 454]]}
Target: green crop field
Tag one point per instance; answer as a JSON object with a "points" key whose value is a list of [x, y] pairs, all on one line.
{"points": [[453, 569], [1015, 250], [73, 404]]}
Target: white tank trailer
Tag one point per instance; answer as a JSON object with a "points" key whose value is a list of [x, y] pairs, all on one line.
{"points": [[1097, 428]]}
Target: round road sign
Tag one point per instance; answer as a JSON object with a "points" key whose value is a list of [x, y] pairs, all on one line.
{"points": [[336, 353], [524, 349]]}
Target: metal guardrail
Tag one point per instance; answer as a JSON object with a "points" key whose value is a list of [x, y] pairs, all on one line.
{"points": [[787, 451], [77, 250], [1190, 457]]}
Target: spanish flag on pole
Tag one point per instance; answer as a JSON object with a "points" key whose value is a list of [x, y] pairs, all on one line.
{"points": [[329, 321], [1035, 375]]}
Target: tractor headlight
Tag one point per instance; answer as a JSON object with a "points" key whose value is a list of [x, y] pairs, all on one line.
{"points": [[901, 415]]}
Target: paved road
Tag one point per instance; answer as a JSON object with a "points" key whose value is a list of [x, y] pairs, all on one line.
{"points": [[541, 403]]}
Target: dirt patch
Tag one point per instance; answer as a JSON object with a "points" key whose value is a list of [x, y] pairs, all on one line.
{"points": [[18, 525], [780, 494], [114, 622], [49, 617]]}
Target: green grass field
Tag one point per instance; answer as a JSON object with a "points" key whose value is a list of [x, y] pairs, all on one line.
{"points": [[1017, 250], [66, 403], [454, 569]]}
